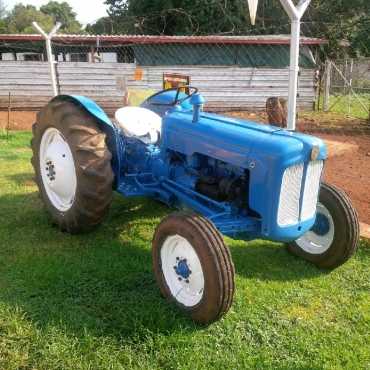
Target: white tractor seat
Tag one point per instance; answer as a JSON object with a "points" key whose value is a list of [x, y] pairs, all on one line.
{"points": [[140, 123]]}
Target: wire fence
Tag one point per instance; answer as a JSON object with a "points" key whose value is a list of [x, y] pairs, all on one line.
{"points": [[349, 87], [246, 67], [233, 72]]}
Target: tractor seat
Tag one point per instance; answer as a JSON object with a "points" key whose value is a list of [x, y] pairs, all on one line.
{"points": [[140, 123]]}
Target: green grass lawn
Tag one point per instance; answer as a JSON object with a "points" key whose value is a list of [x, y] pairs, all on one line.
{"points": [[91, 302]]}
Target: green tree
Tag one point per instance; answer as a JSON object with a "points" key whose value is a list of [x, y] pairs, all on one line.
{"points": [[63, 13], [102, 26], [175, 17], [334, 20], [2, 17], [20, 19]]}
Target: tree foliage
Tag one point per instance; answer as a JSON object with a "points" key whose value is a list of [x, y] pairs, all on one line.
{"points": [[63, 13], [20, 18], [332, 19], [102, 26], [2, 16]]}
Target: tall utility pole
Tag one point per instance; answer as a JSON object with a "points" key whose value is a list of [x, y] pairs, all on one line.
{"points": [[295, 13], [49, 52]]}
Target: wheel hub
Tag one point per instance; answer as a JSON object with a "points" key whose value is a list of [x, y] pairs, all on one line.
{"points": [[322, 225], [182, 268], [319, 239], [57, 169], [50, 169]]}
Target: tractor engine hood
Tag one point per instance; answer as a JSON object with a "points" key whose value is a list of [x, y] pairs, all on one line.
{"points": [[267, 152], [238, 142]]}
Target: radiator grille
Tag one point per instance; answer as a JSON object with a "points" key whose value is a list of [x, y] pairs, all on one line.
{"points": [[288, 212], [311, 189]]}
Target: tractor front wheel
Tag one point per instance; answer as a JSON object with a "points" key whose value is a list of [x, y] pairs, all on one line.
{"points": [[193, 267], [72, 166], [334, 237]]}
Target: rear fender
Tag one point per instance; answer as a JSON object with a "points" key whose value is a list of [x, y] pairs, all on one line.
{"points": [[114, 141]]}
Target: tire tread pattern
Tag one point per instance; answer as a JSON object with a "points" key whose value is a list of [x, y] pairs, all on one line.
{"points": [[217, 254], [346, 238], [92, 161]]}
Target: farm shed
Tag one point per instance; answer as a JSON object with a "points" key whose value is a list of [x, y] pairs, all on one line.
{"points": [[233, 72]]}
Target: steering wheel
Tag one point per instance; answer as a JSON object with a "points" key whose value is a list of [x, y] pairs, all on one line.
{"points": [[192, 90]]}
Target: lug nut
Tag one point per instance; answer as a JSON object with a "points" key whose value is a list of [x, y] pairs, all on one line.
{"points": [[187, 281], [180, 279]]}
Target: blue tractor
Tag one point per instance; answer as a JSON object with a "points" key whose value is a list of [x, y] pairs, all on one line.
{"points": [[225, 176]]}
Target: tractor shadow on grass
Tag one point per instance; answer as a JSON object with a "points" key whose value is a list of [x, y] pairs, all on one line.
{"points": [[22, 178], [268, 261], [101, 283]]}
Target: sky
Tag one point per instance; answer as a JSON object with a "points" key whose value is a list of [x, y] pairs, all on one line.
{"points": [[87, 11]]}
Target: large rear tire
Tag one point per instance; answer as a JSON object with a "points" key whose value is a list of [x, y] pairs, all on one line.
{"points": [[72, 165], [334, 237], [193, 266]]}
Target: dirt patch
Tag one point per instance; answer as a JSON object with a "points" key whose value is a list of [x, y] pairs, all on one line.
{"points": [[348, 167], [331, 123], [316, 122], [307, 121], [337, 148], [365, 231], [19, 121]]}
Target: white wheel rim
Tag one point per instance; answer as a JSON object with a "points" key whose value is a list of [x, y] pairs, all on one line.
{"points": [[57, 169], [182, 270], [318, 243]]}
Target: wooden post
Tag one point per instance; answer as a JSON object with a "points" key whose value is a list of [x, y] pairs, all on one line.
{"points": [[350, 88], [328, 67], [277, 111], [8, 124], [319, 91]]}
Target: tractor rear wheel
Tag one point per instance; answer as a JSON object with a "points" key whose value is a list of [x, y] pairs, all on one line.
{"points": [[72, 165], [193, 267], [334, 237]]}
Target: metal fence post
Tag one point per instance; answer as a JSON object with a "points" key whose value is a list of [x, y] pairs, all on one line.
{"points": [[328, 67], [295, 14], [49, 52], [350, 88]]}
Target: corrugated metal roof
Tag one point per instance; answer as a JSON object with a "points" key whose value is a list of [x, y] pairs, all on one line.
{"points": [[143, 39]]}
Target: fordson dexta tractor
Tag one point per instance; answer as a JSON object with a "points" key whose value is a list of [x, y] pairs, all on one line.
{"points": [[225, 176]]}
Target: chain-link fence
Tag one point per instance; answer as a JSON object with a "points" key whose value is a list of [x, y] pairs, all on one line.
{"points": [[348, 87], [235, 73]]}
